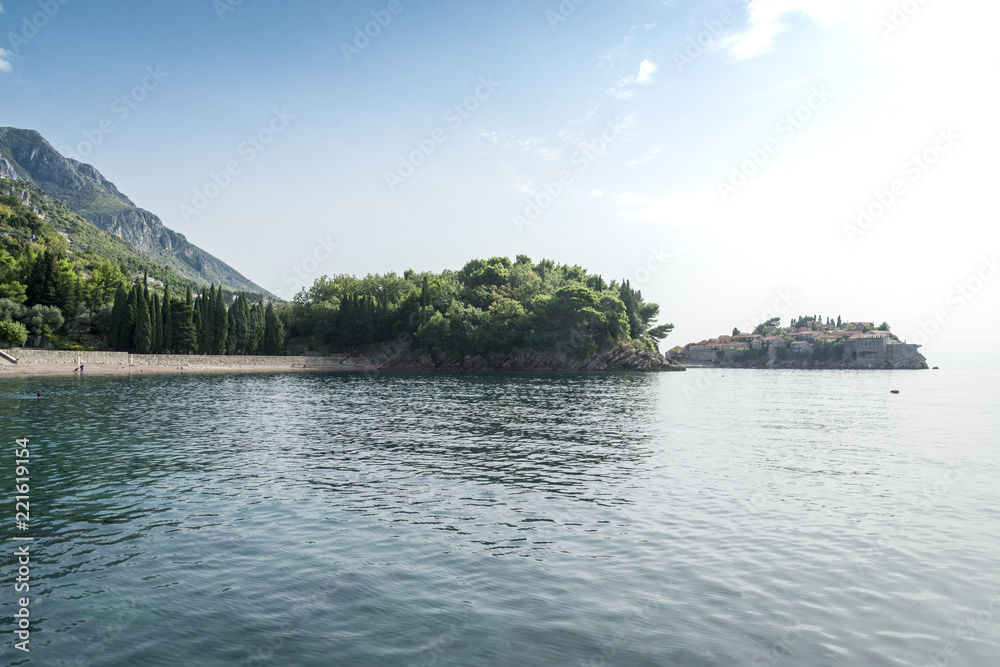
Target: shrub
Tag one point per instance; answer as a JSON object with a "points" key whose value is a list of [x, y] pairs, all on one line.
{"points": [[13, 333]]}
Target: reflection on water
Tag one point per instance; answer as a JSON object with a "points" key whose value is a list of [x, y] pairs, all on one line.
{"points": [[704, 518]]}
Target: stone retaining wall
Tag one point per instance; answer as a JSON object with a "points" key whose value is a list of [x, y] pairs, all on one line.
{"points": [[30, 356]]}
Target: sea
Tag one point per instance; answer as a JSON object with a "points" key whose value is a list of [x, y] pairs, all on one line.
{"points": [[706, 518]]}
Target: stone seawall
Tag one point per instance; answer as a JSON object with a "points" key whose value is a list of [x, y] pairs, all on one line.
{"points": [[29, 356]]}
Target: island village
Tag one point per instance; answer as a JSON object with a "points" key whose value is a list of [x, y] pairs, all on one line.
{"points": [[808, 342]]}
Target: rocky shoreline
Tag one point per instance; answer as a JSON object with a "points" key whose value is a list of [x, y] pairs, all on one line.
{"points": [[619, 359], [771, 362]]}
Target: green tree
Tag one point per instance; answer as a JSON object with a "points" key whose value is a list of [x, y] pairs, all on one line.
{"points": [[166, 317], [185, 335], [43, 320], [435, 334], [220, 324], [156, 315], [142, 339], [117, 316], [127, 331], [13, 334], [274, 332]]}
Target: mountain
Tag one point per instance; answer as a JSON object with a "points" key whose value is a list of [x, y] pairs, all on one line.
{"points": [[61, 229], [27, 156]]}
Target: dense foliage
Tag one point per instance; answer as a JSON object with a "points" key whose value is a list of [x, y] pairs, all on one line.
{"points": [[82, 294], [492, 305], [143, 322], [76, 295]]}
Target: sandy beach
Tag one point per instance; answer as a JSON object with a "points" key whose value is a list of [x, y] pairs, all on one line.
{"points": [[7, 370]]}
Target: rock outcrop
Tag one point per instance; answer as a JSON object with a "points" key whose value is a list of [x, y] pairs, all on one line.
{"points": [[620, 359], [26, 155]]}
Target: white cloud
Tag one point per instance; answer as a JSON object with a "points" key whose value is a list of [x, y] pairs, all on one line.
{"points": [[623, 89], [764, 18], [5, 65], [645, 158], [687, 210], [646, 70], [616, 53]]}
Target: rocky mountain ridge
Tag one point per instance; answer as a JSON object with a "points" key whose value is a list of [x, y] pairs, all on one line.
{"points": [[26, 155]]}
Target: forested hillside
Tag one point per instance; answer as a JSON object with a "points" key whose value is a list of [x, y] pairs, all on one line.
{"points": [[493, 305]]}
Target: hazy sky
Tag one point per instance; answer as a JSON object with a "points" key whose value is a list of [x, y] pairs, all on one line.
{"points": [[715, 152]]}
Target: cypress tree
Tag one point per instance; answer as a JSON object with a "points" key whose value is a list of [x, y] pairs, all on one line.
{"points": [[185, 336], [166, 319], [255, 336], [127, 330], [143, 337], [156, 313], [231, 330], [117, 317], [220, 324], [242, 319], [274, 332]]}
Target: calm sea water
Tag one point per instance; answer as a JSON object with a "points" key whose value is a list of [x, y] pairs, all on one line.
{"points": [[701, 518]]}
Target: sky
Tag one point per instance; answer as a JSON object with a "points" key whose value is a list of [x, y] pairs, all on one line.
{"points": [[735, 160]]}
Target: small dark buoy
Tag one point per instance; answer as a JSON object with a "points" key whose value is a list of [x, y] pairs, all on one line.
{"points": [[895, 391], [935, 368]]}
